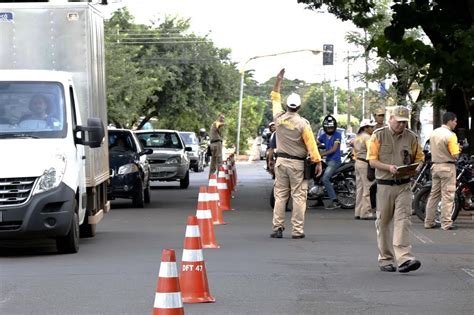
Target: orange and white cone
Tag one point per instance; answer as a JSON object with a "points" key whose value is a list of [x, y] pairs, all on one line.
{"points": [[227, 177], [168, 295], [204, 216], [214, 205], [193, 276], [223, 189], [230, 171], [213, 180]]}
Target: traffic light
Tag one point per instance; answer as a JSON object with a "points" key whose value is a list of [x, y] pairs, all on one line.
{"points": [[328, 55]]}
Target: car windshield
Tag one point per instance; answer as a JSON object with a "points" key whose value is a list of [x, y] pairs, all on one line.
{"points": [[120, 142], [32, 110], [189, 138], [161, 139]]}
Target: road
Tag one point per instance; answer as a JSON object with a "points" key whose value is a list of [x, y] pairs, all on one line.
{"points": [[332, 271]]}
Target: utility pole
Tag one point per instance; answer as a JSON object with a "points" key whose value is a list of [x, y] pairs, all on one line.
{"points": [[325, 107], [349, 101], [364, 102], [334, 112]]}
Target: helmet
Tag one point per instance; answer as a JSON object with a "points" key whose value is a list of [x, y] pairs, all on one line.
{"points": [[329, 122], [271, 124], [202, 130], [293, 101], [367, 123]]}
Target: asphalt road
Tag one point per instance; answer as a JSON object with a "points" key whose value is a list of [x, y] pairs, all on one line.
{"points": [[332, 271]]}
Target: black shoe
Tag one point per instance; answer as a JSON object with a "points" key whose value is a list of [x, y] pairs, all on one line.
{"points": [[451, 227], [409, 265], [298, 236], [368, 218], [277, 234], [433, 226], [388, 268], [357, 217]]}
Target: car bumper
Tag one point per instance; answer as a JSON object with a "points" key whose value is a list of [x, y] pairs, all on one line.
{"points": [[47, 214], [168, 172], [123, 186]]}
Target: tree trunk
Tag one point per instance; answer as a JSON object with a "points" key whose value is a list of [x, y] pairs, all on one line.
{"points": [[146, 119], [456, 103]]}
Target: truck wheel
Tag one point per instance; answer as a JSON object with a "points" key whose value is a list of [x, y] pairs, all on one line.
{"points": [[196, 167], [147, 193], [184, 183], [69, 244], [86, 229], [138, 199]]}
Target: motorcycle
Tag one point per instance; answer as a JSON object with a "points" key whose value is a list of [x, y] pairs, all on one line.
{"points": [[343, 181], [463, 197]]}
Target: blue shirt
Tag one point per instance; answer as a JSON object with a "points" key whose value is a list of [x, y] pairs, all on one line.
{"points": [[273, 141], [329, 143]]}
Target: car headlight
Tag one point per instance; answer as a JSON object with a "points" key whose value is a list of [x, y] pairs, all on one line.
{"points": [[52, 176], [174, 160], [127, 169]]}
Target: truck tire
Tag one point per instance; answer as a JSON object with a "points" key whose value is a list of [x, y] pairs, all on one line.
{"points": [[86, 229], [138, 199], [184, 183], [147, 193], [69, 244]]}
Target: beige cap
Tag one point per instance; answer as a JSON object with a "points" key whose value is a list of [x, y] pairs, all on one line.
{"points": [[379, 111], [400, 113]]}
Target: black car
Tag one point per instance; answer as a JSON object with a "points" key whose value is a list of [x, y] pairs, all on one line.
{"points": [[129, 168]]}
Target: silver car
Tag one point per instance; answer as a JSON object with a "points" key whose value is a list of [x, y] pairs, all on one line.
{"points": [[169, 160], [196, 156]]}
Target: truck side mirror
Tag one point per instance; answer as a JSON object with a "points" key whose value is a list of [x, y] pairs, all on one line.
{"points": [[95, 133]]}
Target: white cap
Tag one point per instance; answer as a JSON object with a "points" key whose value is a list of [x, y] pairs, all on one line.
{"points": [[367, 122], [293, 101]]}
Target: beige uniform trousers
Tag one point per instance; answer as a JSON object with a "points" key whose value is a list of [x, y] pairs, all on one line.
{"points": [[289, 180], [216, 157], [363, 208], [443, 188], [393, 204]]}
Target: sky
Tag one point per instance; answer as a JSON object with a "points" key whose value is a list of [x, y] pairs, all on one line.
{"points": [[261, 27]]}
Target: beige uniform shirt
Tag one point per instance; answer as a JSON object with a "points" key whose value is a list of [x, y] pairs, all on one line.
{"points": [[217, 131], [443, 145], [360, 145], [394, 149]]}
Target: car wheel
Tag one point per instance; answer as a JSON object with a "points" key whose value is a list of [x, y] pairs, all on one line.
{"points": [[184, 183], [147, 193], [69, 244], [138, 199]]}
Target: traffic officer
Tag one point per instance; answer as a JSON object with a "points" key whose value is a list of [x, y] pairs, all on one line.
{"points": [[216, 137], [363, 208], [294, 140], [444, 152], [390, 147], [379, 116]]}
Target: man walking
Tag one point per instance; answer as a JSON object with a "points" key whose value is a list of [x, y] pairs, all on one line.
{"points": [[216, 137], [390, 147], [295, 140], [444, 152]]}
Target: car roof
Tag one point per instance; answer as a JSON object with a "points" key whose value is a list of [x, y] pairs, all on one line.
{"points": [[155, 130], [186, 132], [115, 130]]}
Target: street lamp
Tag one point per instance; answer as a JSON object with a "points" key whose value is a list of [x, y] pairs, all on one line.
{"points": [[242, 74]]}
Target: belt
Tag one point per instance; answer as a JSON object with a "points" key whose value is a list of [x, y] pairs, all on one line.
{"points": [[363, 160], [448, 162], [392, 182], [287, 156], [214, 141]]}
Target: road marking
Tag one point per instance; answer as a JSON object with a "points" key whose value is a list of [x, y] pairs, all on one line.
{"points": [[423, 238], [469, 271]]}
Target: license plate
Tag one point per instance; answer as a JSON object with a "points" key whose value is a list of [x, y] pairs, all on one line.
{"points": [[155, 169]]}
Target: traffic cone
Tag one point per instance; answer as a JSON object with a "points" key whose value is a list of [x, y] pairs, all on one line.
{"points": [[224, 193], [193, 276], [213, 180], [230, 171], [168, 296], [213, 200], [204, 216], [227, 177]]}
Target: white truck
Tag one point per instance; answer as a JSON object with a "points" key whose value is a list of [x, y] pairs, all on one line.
{"points": [[54, 165]]}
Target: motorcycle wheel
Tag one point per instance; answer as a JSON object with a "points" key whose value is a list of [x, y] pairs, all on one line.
{"points": [[346, 192], [289, 203], [420, 200]]}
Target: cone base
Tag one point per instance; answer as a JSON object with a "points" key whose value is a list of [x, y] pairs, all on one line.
{"points": [[211, 246], [219, 223], [207, 299]]}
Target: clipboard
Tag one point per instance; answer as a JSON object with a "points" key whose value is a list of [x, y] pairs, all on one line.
{"points": [[407, 170]]}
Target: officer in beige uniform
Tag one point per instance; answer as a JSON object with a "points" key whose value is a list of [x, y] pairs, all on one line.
{"points": [[295, 140], [390, 147], [444, 152], [216, 137], [363, 208], [379, 117]]}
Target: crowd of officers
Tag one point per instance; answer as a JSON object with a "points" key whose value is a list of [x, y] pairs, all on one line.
{"points": [[390, 154]]}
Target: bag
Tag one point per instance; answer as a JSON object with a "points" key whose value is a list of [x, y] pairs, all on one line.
{"points": [[370, 172], [308, 169]]}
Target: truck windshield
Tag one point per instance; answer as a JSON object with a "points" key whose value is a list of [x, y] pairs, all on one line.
{"points": [[32, 109]]}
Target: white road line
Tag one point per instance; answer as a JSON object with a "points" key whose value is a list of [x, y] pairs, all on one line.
{"points": [[469, 271], [423, 238]]}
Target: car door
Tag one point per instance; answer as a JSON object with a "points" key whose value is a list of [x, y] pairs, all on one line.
{"points": [[142, 159]]}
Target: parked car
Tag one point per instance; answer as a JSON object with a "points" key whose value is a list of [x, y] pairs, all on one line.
{"points": [[129, 168], [169, 160], [196, 156]]}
